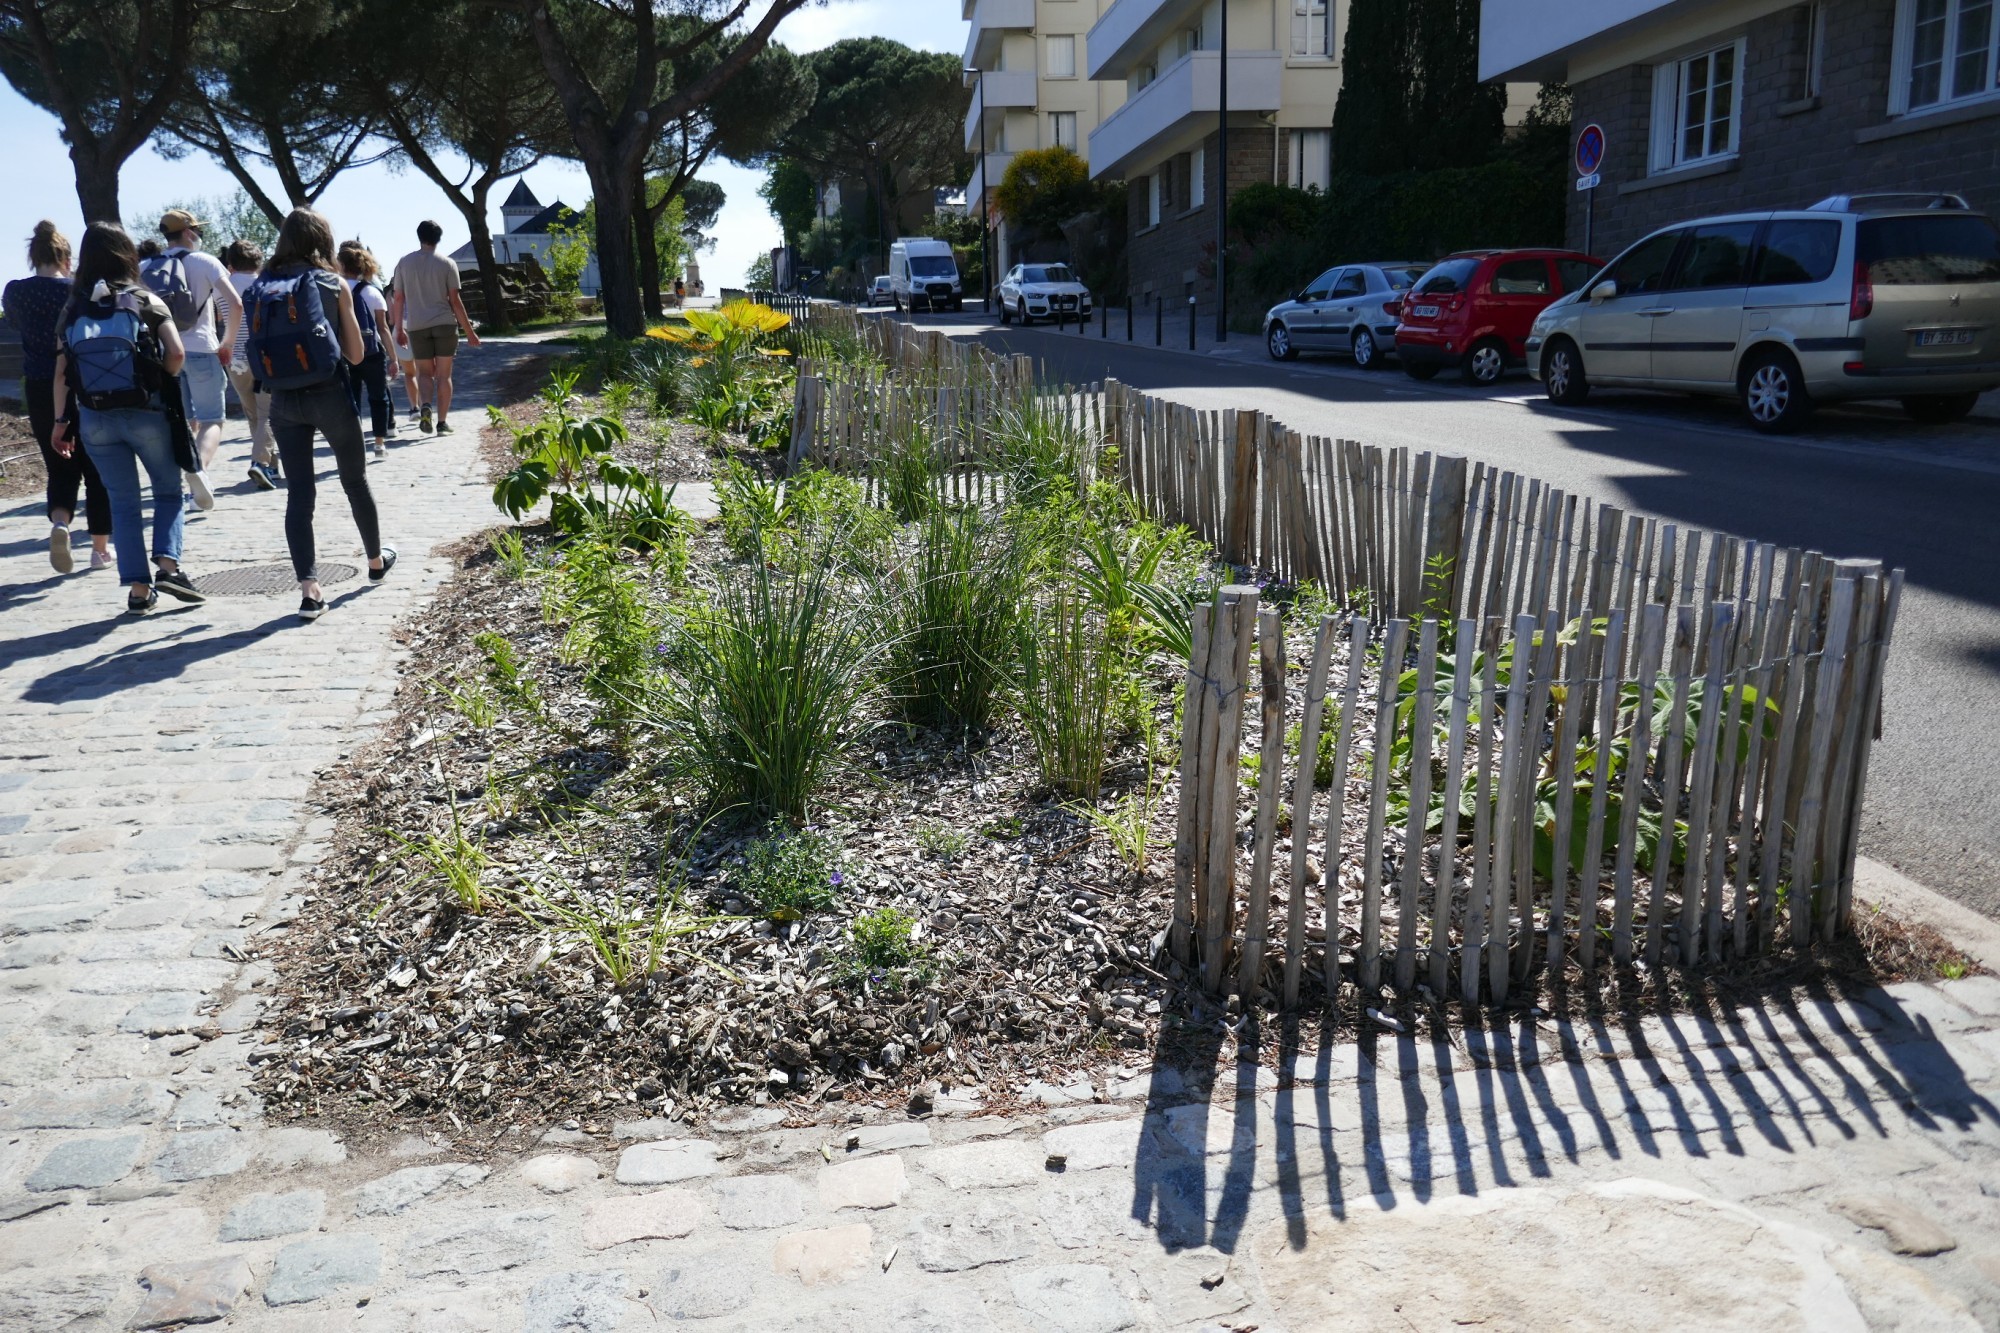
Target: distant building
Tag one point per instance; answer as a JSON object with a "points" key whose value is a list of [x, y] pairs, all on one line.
{"points": [[525, 224]]}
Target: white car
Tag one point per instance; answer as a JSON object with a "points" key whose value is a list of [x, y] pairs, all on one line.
{"points": [[882, 291], [1042, 291]]}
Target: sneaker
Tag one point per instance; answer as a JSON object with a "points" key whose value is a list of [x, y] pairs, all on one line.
{"points": [[197, 485], [101, 560], [381, 449], [388, 563], [188, 508], [59, 555], [424, 420], [444, 427], [178, 584], [311, 607], [139, 606], [261, 475]]}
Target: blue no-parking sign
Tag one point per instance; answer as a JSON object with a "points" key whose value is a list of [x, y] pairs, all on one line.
{"points": [[1589, 152]]}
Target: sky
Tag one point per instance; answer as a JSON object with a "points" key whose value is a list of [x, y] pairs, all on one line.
{"points": [[382, 206]]}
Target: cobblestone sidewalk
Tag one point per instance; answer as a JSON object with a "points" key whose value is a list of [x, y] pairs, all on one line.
{"points": [[1831, 1166]]}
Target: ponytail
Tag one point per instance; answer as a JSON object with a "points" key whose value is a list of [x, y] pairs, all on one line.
{"points": [[48, 246]]}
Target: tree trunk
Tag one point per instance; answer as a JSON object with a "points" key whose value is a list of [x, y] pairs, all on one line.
{"points": [[482, 250], [96, 187], [645, 235], [617, 272]]}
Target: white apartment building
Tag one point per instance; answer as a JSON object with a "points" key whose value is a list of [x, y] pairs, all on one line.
{"points": [[1033, 89], [1167, 56]]}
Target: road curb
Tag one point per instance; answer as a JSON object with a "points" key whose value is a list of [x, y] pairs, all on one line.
{"points": [[1890, 889]]}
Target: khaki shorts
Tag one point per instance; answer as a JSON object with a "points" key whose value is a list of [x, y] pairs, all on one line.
{"points": [[440, 340]]}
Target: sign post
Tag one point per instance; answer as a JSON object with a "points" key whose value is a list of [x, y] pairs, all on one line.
{"points": [[1589, 157]]}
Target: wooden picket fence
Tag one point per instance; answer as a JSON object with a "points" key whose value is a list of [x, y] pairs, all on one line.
{"points": [[1464, 820], [1518, 634]]}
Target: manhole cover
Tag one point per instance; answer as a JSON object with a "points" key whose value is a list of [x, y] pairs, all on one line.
{"points": [[251, 580]]}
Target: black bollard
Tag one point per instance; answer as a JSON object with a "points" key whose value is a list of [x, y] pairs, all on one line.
{"points": [[1190, 323], [1128, 317], [1159, 322], [1103, 322]]}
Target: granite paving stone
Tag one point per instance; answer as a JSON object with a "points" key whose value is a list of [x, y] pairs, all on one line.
{"points": [[576, 1303], [264, 1216], [310, 1270], [191, 1293], [86, 1163]]}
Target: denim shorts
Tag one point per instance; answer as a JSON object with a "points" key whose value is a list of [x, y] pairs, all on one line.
{"points": [[202, 383]]}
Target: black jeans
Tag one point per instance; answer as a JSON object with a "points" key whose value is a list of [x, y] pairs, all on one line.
{"points": [[295, 415], [66, 475], [373, 374]]}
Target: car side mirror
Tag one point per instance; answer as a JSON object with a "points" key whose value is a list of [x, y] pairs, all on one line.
{"points": [[1603, 291]]}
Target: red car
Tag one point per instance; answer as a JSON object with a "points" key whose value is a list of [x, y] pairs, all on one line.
{"points": [[1472, 309]]}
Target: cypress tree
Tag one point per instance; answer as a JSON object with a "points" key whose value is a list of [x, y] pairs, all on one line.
{"points": [[1371, 121], [1410, 96]]}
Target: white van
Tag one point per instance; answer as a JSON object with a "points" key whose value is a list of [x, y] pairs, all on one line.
{"points": [[923, 270]]}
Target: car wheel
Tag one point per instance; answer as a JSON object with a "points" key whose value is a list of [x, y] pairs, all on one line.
{"points": [[1485, 363], [1773, 392], [1935, 409], [1562, 373], [1026, 319], [1278, 342], [1366, 354], [1006, 315], [1420, 370]]}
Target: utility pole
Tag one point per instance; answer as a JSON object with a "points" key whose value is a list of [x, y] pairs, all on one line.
{"points": [[985, 198], [1222, 182]]}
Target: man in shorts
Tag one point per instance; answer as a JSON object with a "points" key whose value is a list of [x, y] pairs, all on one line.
{"points": [[428, 316], [204, 378]]}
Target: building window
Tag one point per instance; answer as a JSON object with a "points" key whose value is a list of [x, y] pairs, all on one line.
{"points": [[1694, 107], [1312, 159], [1062, 130], [1946, 51], [1811, 41], [1153, 184], [1312, 28], [1197, 177], [1062, 57]]}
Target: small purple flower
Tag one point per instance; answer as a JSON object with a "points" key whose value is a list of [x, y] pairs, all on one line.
{"points": [[836, 879], [662, 648]]}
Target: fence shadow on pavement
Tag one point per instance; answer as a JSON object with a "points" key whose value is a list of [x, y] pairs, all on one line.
{"points": [[1394, 1118]]}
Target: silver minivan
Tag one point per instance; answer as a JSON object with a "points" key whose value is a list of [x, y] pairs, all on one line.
{"points": [[1859, 296], [1349, 308]]}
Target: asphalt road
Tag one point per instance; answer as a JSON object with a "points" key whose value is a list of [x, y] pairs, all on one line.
{"points": [[1862, 481]]}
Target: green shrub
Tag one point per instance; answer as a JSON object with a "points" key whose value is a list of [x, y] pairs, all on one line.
{"points": [[955, 610], [767, 678], [612, 634], [790, 874], [883, 952]]}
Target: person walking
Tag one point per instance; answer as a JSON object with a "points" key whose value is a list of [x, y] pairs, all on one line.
{"points": [[192, 285], [371, 312], [429, 315], [243, 258], [399, 347], [34, 306], [118, 357], [304, 342]]}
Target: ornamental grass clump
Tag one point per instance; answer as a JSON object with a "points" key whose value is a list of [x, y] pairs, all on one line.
{"points": [[956, 607], [1069, 684], [767, 677]]}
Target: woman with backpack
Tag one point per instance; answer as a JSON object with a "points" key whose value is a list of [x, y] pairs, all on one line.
{"points": [[371, 312], [117, 351], [304, 340], [243, 258], [34, 306]]}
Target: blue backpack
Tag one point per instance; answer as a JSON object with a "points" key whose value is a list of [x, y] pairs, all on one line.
{"points": [[110, 353], [292, 343], [371, 337]]}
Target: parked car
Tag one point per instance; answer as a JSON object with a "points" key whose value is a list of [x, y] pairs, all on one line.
{"points": [[1349, 308], [1473, 309], [882, 291], [1858, 296], [1030, 292], [924, 271]]}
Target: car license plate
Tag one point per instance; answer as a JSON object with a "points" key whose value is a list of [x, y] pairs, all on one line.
{"points": [[1424, 311], [1944, 337]]}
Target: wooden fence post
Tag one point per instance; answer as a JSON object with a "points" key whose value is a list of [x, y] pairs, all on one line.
{"points": [[1302, 809], [1194, 774], [1243, 428], [1230, 656], [807, 397], [1270, 793]]}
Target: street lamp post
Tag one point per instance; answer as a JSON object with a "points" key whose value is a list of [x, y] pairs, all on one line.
{"points": [[1222, 182], [985, 194], [881, 231]]}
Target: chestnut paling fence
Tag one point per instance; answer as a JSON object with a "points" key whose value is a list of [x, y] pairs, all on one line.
{"points": [[1556, 733]]}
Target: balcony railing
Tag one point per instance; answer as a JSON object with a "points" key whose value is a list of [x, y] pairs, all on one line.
{"points": [[997, 90], [1166, 108], [991, 20]]}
